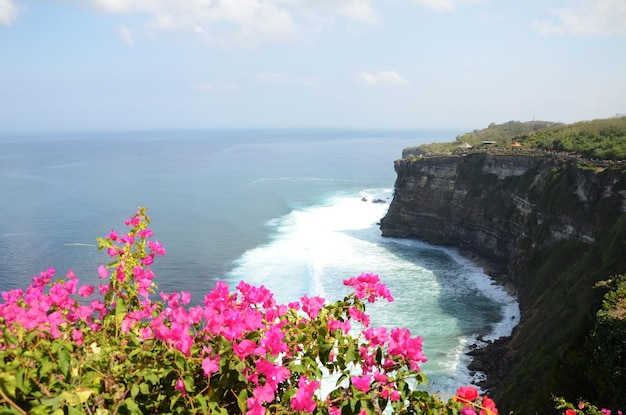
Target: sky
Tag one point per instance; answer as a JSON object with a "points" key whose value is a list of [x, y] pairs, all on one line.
{"points": [[118, 65]]}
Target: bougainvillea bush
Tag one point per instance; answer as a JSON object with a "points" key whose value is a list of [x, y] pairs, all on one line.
{"points": [[119, 347]]}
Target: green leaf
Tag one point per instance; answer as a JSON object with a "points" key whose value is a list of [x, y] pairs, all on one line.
{"points": [[152, 378], [189, 383], [134, 390], [69, 398], [120, 310], [72, 411], [324, 350], [297, 368], [52, 402], [64, 362], [202, 402], [351, 353], [144, 388], [7, 384], [180, 361], [132, 406], [214, 408], [83, 394], [19, 381], [241, 400], [45, 367]]}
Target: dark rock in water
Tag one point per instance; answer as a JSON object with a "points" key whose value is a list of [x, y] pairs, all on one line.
{"points": [[476, 365], [378, 201], [363, 199]]}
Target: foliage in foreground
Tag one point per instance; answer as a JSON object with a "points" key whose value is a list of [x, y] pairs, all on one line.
{"points": [[71, 348], [68, 348]]}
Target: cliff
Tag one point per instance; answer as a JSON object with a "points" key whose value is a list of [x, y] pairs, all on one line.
{"points": [[548, 227]]}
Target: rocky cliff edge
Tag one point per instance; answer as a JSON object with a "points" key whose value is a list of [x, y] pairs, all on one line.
{"points": [[548, 227]]}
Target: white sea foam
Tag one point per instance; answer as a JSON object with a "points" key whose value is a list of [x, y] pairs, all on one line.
{"points": [[313, 249]]}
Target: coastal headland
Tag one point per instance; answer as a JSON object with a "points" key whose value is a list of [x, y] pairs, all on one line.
{"points": [[548, 226]]}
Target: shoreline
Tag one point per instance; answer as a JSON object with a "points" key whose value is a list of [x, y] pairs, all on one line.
{"points": [[491, 359]]}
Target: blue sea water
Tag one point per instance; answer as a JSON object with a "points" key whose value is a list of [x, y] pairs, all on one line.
{"points": [[289, 209]]}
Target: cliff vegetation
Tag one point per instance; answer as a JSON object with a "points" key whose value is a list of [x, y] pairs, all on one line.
{"points": [[596, 139], [549, 221]]}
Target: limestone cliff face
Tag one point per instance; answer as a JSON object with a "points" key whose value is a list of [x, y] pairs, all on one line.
{"points": [[501, 206], [549, 226]]}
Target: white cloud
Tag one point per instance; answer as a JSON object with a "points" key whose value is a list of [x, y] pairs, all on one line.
{"points": [[589, 17], [124, 34], [222, 22], [382, 78], [8, 12], [444, 5], [235, 22], [329, 12]]}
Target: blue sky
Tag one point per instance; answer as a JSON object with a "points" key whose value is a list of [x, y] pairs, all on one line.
{"points": [[81, 65]]}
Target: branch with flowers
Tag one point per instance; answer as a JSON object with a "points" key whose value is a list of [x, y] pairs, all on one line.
{"points": [[67, 348]]}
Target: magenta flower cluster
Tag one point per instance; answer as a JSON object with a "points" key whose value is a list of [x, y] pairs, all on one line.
{"points": [[277, 351]]}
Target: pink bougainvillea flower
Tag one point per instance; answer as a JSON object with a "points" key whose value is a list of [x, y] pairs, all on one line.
{"points": [[376, 336], [102, 272], [85, 291], [210, 366], [264, 393], [145, 233], [274, 374], [332, 410], [134, 221], [180, 387], [570, 411], [244, 348], [368, 286], [466, 410], [391, 394], [362, 383], [334, 325], [489, 406], [466, 394], [312, 306], [303, 401], [77, 336], [254, 407], [103, 289], [359, 316], [156, 247], [128, 239]]}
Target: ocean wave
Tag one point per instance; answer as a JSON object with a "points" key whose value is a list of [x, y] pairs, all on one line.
{"points": [[311, 250]]}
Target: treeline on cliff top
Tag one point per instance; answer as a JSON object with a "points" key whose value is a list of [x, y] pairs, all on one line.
{"points": [[603, 139]]}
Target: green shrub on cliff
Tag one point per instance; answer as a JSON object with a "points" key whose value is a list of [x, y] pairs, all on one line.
{"points": [[597, 139], [608, 343]]}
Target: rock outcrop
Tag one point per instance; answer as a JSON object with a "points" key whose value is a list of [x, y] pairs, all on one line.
{"points": [[547, 226]]}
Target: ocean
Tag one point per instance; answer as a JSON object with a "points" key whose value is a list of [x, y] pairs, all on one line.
{"points": [[289, 209]]}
